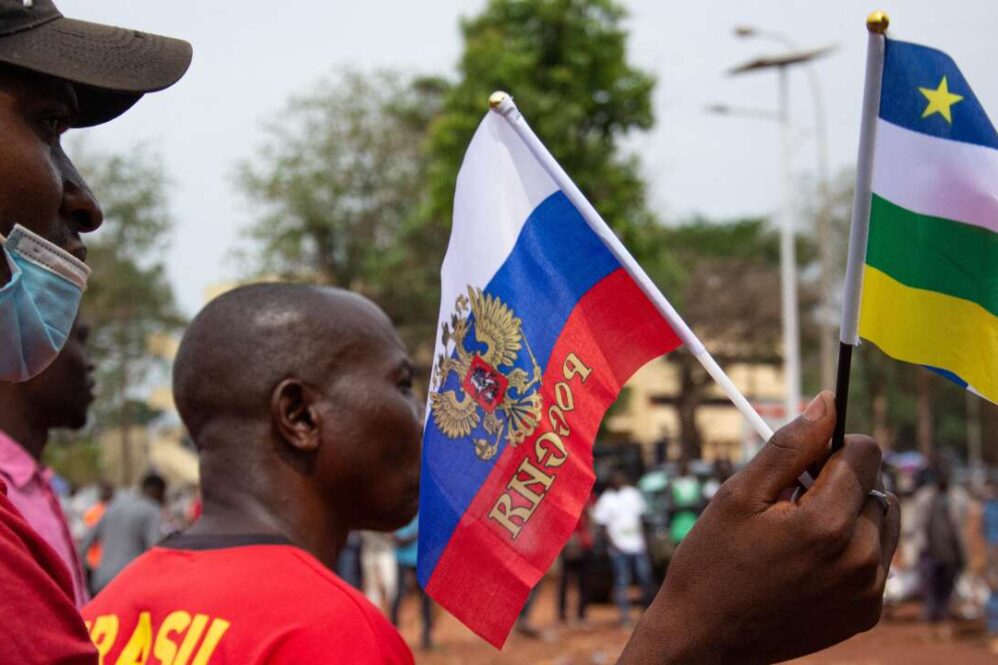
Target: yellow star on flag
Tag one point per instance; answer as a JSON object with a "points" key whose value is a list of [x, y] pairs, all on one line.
{"points": [[940, 101]]}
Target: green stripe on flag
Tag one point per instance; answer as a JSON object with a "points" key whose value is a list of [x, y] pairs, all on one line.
{"points": [[934, 254]]}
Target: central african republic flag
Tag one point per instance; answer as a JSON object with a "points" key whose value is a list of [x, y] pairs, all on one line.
{"points": [[930, 282]]}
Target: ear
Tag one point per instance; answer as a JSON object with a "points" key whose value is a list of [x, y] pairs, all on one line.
{"points": [[294, 416]]}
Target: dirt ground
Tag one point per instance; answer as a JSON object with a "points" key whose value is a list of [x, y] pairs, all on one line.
{"points": [[900, 638]]}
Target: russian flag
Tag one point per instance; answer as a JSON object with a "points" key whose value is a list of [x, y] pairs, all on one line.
{"points": [[540, 326]]}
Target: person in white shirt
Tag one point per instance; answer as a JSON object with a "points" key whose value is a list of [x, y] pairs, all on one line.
{"points": [[619, 510], [380, 571]]}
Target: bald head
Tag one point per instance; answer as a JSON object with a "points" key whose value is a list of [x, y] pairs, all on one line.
{"points": [[300, 400], [245, 342]]}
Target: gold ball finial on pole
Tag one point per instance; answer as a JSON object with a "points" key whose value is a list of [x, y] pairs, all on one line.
{"points": [[497, 98], [877, 22]]}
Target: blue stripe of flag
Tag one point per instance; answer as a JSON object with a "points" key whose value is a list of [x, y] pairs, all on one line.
{"points": [[909, 67], [946, 374], [555, 261]]}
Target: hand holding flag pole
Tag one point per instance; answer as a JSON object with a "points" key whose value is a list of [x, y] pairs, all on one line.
{"points": [[876, 24], [502, 103]]}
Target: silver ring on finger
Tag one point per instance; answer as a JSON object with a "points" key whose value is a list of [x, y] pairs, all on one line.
{"points": [[882, 499]]}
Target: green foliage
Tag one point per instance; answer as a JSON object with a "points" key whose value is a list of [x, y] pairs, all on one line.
{"points": [[565, 63], [355, 182], [129, 296], [338, 179], [737, 239], [77, 459], [727, 287]]}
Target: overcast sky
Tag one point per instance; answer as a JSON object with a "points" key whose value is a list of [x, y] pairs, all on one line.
{"points": [[250, 55]]}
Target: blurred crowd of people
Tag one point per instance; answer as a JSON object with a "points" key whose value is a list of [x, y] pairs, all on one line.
{"points": [[948, 553], [947, 558], [101, 529], [110, 528], [635, 528]]}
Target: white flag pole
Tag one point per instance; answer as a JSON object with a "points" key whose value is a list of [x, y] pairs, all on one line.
{"points": [[876, 25], [502, 103]]}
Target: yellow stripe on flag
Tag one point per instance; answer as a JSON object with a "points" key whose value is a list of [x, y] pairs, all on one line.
{"points": [[930, 328]]}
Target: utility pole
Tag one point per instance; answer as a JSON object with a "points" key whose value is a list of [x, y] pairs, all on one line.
{"points": [[827, 313], [788, 254]]}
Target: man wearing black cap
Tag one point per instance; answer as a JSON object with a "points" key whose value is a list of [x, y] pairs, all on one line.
{"points": [[55, 74]]}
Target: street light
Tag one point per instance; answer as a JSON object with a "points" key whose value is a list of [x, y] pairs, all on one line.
{"points": [[719, 108], [788, 259], [827, 314]]}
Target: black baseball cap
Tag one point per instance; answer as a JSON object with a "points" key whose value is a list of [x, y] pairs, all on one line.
{"points": [[111, 68]]}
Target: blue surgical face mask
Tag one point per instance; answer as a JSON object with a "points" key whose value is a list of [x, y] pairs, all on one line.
{"points": [[39, 303]]}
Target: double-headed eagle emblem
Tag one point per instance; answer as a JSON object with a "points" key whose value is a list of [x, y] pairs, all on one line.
{"points": [[492, 388]]}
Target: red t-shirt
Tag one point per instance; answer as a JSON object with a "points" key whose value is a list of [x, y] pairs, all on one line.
{"points": [[237, 600], [39, 623]]}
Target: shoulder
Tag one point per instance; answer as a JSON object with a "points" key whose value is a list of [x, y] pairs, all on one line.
{"points": [[117, 507], [140, 573], [301, 643], [296, 580], [331, 594], [339, 618]]}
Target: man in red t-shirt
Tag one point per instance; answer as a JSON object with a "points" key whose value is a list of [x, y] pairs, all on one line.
{"points": [[300, 401], [55, 74]]}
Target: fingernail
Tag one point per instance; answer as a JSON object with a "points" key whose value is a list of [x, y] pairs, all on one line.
{"points": [[816, 410]]}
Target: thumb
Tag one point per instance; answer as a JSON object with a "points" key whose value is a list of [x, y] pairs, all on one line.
{"points": [[792, 449]]}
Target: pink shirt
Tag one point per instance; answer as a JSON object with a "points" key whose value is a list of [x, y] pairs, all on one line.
{"points": [[29, 490]]}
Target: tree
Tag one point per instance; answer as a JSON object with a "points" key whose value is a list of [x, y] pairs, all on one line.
{"points": [[337, 181], [728, 291], [129, 296], [565, 63], [355, 182]]}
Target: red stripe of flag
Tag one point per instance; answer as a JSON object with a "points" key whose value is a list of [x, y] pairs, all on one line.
{"points": [[484, 575]]}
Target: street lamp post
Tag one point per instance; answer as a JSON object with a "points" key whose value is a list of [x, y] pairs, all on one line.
{"points": [[740, 112], [827, 313], [788, 258]]}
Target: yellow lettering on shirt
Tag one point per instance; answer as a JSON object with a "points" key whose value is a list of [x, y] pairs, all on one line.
{"points": [[191, 639], [211, 640], [165, 649], [174, 641], [103, 635], [136, 652]]}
